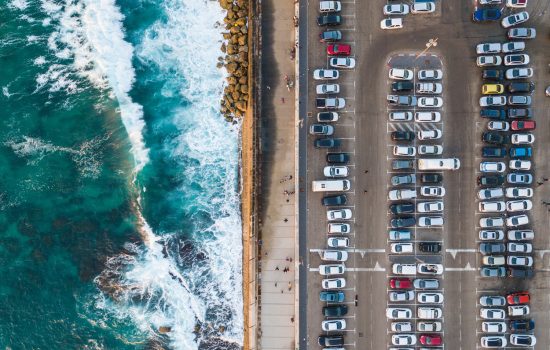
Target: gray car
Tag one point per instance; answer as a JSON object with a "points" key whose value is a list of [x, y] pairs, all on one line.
{"points": [[403, 179], [400, 235], [514, 100], [491, 248], [402, 100], [426, 283]]}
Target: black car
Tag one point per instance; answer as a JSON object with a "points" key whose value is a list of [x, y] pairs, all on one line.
{"points": [[338, 158], [496, 138], [491, 248], [402, 86], [329, 20], [431, 178], [521, 87], [402, 136], [520, 273], [493, 152], [490, 180], [327, 117], [520, 113], [498, 114], [335, 311], [402, 208], [493, 74], [522, 325], [340, 199], [430, 247], [327, 143], [331, 340], [402, 164], [406, 221], [330, 36]]}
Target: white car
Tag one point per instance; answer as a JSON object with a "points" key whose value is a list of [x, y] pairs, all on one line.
{"points": [[515, 19], [498, 126], [427, 117], [494, 341], [398, 248], [430, 207], [408, 151], [429, 102], [522, 33], [404, 269], [326, 74], [429, 134], [402, 194], [401, 74], [519, 205], [396, 313], [336, 171], [492, 207], [490, 193], [522, 139], [519, 73], [430, 298], [333, 283], [334, 269], [516, 59], [430, 221], [430, 149], [429, 88], [492, 314], [487, 61], [401, 116], [429, 313], [396, 9], [403, 339], [401, 295], [330, 6], [521, 235], [492, 167], [487, 101], [333, 325], [338, 228], [429, 326], [523, 339], [485, 48], [327, 89], [491, 235], [423, 7], [430, 74], [401, 327], [519, 192], [342, 62], [391, 23], [517, 164], [493, 260], [513, 46], [516, 3], [493, 327], [339, 214], [520, 248], [492, 222], [338, 242], [334, 255], [327, 117], [432, 191], [519, 310], [517, 220]]}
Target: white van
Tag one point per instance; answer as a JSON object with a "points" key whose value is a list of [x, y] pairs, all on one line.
{"points": [[427, 117], [330, 185], [404, 269], [439, 164]]}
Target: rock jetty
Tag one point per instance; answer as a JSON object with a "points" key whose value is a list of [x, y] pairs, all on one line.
{"points": [[235, 47]]}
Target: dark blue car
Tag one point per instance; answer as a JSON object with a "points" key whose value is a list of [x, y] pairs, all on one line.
{"points": [[498, 114], [489, 14], [333, 297]]}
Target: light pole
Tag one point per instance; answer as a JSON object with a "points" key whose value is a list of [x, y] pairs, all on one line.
{"points": [[429, 44]]}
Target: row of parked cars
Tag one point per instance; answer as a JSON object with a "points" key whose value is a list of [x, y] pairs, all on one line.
{"points": [[336, 173], [421, 325], [495, 310], [395, 12]]}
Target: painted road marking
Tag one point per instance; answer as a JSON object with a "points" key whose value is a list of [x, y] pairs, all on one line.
{"points": [[468, 267], [453, 252]]}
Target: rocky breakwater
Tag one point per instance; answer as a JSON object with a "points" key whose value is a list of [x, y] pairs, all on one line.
{"points": [[235, 47]]}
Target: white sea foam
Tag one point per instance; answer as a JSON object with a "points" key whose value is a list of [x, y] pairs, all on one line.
{"points": [[18, 4], [89, 33], [40, 60]]}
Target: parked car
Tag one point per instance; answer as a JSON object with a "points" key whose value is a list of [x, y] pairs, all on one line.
{"points": [[493, 152], [335, 310], [334, 255], [396, 9], [340, 199], [330, 36], [515, 19], [493, 341], [521, 33], [518, 298], [516, 221], [334, 269], [496, 138], [430, 269], [401, 100], [522, 100], [492, 207], [407, 151], [391, 23], [326, 74], [485, 48], [339, 214], [493, 271], [397, 296], [491, 235], [430, 149], [492, 74], [522, 139], [518, 310], [430, 221], [517, 260], [427, 117], [430, 298], [519, 192], [400, 74], [519, 273], [513, 46], [330, 6], [488, 61], [403, 179], [430, 74], [402, 208], [329, 20], [400, 283], [493, 327], [520, 248], [338, 50], [490, 180], [519, 73], [489, 101], [398, 248], [430, 207], [396, 313], [492, 89], [492, 300], [332, 297], [490, 193], [432, 191], [400, 115], [491, 113], [336, 171], [423, 7], [402, 164], [333, 283], [426, 283], [338, 242], [406, 221], [522, 325], [521, 152], [321, 129], [520, 113], [427, 102], [492, 314], [519, 178], [339, 228], [338, 158], [516, 3], [519, 87], [492, 167], [331, 340], [400, 235], [402, 135], [431, 178], [327, 143], [486, 14], [519, 205], [398, 86], [521, 235], [491, 222], [430, 247], [429, 88], [325, 89], [523, 125], [342, 62], [493, 260], [523, 340], [402, 194], [327, 117]]}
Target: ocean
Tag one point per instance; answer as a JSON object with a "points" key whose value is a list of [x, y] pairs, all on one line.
{"points": [[119, 199]]}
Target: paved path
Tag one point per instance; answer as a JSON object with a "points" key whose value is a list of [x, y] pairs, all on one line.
{"points": [[277, 296]]}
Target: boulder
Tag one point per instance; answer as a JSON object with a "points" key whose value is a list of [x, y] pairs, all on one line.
{"points": [[232, 80], [242, 40], [244, 89], [240, 22], [223, 48], [231, 67], [234, 30], [241, 106], [243, 80], [235, 95], [226, 35]]}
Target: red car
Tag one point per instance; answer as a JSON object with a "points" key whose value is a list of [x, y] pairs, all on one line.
{"points": [[339, 50], [524, 125], [518, 298], [400, 283], [430, 339]]}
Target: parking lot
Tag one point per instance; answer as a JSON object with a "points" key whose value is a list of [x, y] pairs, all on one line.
{"points": [[365, 132]]}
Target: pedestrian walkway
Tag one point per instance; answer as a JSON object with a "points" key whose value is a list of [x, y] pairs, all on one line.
{"points": [[277, 317]]}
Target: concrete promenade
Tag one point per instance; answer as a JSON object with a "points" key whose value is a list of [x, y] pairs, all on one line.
{"points": [[277, 298]]}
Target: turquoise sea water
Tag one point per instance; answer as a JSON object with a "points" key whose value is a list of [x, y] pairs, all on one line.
{"points": [[118, 199]]}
